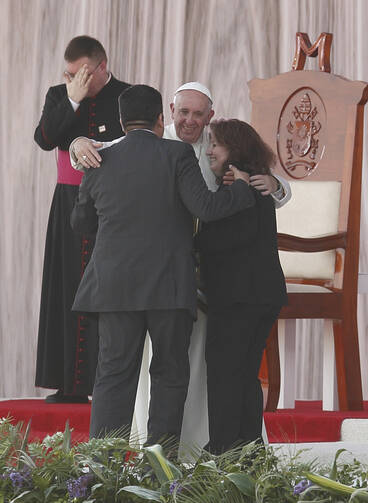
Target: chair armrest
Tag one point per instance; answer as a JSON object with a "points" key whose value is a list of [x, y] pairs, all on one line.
{"points": [[287, 242]]}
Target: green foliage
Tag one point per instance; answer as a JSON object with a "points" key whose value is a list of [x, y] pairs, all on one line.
{"points": [[117, 470]]}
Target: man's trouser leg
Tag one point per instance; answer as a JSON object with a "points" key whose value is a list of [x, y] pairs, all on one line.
{"points": [[122, 336], [170, 332]]}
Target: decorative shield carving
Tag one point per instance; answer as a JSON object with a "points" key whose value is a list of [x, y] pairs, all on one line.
{"points": [[301, 133]]}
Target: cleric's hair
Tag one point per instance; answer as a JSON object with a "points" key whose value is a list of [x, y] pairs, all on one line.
{"points": [[140, 105], [247, 151], [84, 46]]}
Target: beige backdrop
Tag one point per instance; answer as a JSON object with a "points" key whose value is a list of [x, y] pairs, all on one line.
{"points": [[222, 43]]}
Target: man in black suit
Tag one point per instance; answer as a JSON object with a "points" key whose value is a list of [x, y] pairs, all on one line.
{"points": [[141, 275]]}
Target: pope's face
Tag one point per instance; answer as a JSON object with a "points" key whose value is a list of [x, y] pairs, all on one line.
{"points": [[191, 112], [95, 68]]}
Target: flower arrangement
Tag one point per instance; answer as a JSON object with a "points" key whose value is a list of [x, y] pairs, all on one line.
{"points": [[114, 470]]}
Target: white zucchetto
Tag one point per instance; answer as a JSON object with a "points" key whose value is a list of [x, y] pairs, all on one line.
{"points": [[195, 86]]}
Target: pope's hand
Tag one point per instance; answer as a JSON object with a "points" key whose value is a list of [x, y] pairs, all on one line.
{"points": [[85, 151], [77, 86], [239, 175], [266, 184]]}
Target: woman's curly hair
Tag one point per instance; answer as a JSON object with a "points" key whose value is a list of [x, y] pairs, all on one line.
{"points": [[247, 151]]}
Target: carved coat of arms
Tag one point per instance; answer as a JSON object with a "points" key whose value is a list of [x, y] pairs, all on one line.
{"points": [[300, 135]]}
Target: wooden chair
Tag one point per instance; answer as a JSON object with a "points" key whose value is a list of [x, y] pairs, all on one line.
{"points": [[314, 121]]}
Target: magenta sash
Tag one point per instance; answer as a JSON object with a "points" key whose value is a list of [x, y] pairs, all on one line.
{"points": [[66, 173]]}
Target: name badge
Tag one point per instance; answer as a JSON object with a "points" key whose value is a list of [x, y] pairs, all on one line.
{"points": [[102, 129]]}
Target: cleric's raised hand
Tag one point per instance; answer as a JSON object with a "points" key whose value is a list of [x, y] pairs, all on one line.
{"points": [[86, 153], [78, 85]]}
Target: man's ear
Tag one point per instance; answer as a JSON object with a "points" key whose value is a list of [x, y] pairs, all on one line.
{"points": [[103, 64], [160, 120], [159, 125], [172, 108], [210, 115]]}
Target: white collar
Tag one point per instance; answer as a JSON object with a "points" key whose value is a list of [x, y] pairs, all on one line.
{"points": [[108, 78], [141, 129]]}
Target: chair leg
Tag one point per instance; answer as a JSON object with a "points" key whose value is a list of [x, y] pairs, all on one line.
{"points": [[263, 377], [273, 368], [349, 381], [287, 344], [329, 396], [264, 433]]}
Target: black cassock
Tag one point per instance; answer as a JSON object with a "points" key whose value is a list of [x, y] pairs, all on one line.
{"points": [[67, 342]]}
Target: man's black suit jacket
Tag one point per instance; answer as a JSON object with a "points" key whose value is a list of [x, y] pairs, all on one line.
{"points": [[144, 196], [239, 257]]}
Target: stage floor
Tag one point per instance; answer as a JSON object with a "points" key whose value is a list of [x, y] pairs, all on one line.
{"points": [[306, 423]]}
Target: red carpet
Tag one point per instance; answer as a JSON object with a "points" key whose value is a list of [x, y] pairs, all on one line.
{"points": [[306, 423], [49, 418]]}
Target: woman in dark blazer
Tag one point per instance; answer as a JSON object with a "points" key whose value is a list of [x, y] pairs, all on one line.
{"points": [[245, 290]]}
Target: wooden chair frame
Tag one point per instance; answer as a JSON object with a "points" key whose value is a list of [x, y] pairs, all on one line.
{"points": [[340, 304]]}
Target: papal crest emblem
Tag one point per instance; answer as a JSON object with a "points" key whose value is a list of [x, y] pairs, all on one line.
{"points": [[299, 129]]}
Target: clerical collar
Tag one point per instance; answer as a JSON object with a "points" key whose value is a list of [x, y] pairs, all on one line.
{"points": [[108, 79]]}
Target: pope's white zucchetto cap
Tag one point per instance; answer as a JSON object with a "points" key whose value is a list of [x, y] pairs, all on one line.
{"points": [[195, 86]]}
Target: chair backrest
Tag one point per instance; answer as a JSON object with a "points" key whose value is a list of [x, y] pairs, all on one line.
{"points": [[313, 120], [302, 217]]}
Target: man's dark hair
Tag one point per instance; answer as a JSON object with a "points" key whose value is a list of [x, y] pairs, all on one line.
{"points": [[247, 151], [84, 46], [140, 105]]}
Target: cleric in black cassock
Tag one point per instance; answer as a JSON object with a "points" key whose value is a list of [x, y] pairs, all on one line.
{"points": [[87, 105]]}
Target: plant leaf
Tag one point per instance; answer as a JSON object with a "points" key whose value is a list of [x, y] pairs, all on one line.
{"points": [[244, 482], [330, 485], [26, 460], [359, 495], [333, 473], [67, 437], [207, 465], [25, 440], [95, 487], [325, 500], [49, 490], [147, 494], [20, 496], [163, 468]]}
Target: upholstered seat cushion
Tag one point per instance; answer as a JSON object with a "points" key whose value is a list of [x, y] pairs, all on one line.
{"points": [[301, 288], [312, 212]]}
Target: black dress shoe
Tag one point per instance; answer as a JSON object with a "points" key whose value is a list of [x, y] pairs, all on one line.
{"points": [[59, 397]]}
